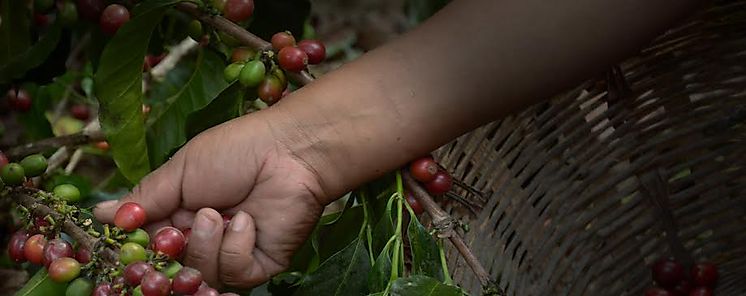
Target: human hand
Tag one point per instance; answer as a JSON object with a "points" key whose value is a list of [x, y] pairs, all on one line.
{"points": [[239, 168]]}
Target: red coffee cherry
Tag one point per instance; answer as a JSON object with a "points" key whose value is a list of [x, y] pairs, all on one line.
{"points": [[155, 283], [90, 9], [130, 216], [187, 281], [315, 50], [424, 169], [113, 17], [134, 272], [657, 292], [413, 203], [701, 291], [80, 112], [57, 248], [292, 59], [238, 10], [15, 246], [19, 99], [3, 159], [705, 274], [441, 184], [33, 250], [270, 90], [281, 40], [667, 272], [169, 241], [83, 255], [103, 289]]}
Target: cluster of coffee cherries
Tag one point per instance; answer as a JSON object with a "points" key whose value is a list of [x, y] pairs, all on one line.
{"points": [[265, 70], [109, 16], [671, 279], [146, 266], [436, 180]]}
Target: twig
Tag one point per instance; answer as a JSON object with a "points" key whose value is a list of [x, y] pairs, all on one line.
{"points": [[24, 197], [74, 160], [57, 159], [444, 225], [158, 73], [90, 133], [239, 34]]}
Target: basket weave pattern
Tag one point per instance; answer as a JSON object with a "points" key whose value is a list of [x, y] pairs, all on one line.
{"points": [[580, 194]]}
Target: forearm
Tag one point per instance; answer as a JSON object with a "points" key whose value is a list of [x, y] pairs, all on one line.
{"points": [[472, 63]]}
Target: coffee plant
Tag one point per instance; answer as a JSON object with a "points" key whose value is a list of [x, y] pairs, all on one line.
{"points": [[104, 91]]}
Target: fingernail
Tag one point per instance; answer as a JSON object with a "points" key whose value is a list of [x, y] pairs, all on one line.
{"points": [[239, 222], [203, 226], [106, 204]]}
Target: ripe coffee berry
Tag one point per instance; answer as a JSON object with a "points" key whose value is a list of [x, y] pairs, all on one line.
{"points": [[33, 250], [90, 9], [135, 271], [667, 273], [701, 291], [83, 255], [130, 216], [281, 40], [15, 246], [682, 288], [187, 281], [155, 283], [704, 274], [226, 220], [440, 184], [80, 112], [204, 290], [63, 270], [238, 10], [55, 249], [314, 49], [168, 241], [19, 100], [113, 17], [270, 90], [424, 169], [414, 203], [103, 289], [3, 160], [292, 59], [657, 292]]}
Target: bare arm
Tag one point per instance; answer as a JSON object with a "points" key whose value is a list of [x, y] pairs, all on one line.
{"points": [[471, 63]]}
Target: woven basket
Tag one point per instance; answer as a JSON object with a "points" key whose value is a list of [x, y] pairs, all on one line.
{"points": [[580, 194]]}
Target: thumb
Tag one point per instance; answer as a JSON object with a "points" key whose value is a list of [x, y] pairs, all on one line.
{"points": [[159, 193]]}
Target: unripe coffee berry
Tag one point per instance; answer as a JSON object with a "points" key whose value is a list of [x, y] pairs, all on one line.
{"points": [[13, 174]]}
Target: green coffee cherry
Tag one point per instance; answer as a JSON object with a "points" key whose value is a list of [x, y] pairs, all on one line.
{"points": [[79, 287], [132, 252], [67, 192], [232, 71], [13, 174], [252, 74], [137, 291], [195, 30], [171, 270], [280, 74], [139, 237], [34, 165], [68, 13]]}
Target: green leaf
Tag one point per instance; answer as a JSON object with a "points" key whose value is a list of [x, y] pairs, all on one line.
{"points": [[15, 36], [266, 21], [381, 274], [40, 284], [425, 252], [118, 86], [345, 273], [335, 237], [228, 105], [32, 57], [168, 131], [420, 10], [419, 285]]}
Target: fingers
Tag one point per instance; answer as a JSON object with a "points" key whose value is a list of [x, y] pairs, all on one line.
{"points": [[203, 249], [236, 257], [159, 193]]}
